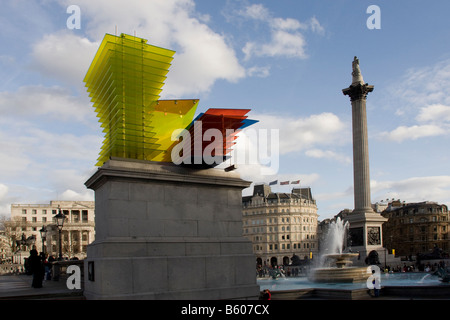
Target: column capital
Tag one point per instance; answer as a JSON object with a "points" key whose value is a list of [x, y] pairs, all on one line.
{"points": [[358, 91]]}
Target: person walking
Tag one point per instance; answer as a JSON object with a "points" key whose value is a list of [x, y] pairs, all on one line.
{"points": [[36, 269]]}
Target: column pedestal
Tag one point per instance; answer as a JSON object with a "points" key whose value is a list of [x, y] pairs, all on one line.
{"points": [[366, 234], [168, 232]]}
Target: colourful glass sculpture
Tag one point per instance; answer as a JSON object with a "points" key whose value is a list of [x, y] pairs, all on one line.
{"points": [[124, 82]]}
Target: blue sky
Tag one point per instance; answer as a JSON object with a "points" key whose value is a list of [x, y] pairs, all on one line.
{"points": [[287, 60]]}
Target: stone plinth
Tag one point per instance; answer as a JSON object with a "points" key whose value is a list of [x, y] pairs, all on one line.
{"points": [[366, 234], [168, 232]]}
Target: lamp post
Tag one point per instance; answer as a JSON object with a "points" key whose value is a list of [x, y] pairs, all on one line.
{"points": [[43, 232], [60, 217]]}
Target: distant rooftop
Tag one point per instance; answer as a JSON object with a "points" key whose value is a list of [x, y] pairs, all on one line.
{"points": [[264, 190]]}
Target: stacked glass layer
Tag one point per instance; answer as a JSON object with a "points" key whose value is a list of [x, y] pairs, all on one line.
{"points": [[227, 122], [124, 82]]}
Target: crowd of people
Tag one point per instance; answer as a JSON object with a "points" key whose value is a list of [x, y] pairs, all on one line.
{"points": [[418, 267], [298, 271], [284, 271]]}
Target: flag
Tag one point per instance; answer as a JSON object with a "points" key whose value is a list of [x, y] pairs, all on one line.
{"points": [[295, 182], [284, 183], [273, 182]]}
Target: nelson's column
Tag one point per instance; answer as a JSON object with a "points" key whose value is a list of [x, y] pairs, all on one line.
{"points": [[365, 223]]}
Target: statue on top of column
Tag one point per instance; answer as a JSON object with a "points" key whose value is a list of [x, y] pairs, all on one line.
{"points": [[357, 76]]}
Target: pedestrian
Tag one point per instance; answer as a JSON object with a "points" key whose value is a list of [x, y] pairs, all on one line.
{"points": [[36, 269], [376, 284], [266, 295]]}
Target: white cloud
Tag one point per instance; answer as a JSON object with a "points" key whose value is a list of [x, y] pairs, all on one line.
{"points": [[328, 154], [287, 24], [54, 102], [434, 121], [316, 26], [286, 40], [71, 195], [203, 56], [414, 189], [435, 113], [297, 134], [255, 11], [32, 156], [3, 191], [261, 72], [424, 102], [424, 86], [283, 43], [259, 147], [64, 55], [413, 132]]}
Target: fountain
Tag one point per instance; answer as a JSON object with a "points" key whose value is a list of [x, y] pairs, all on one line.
{"points": [[341, 269]]}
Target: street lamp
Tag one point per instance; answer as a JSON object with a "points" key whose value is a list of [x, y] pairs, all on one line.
{"points": [[43, 232], [60, 217]]}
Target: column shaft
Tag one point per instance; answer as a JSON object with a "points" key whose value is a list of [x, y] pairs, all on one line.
{"points": [[361, 174]]}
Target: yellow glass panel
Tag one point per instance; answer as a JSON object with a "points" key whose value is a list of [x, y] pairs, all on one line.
{"points": [[124, 82]]}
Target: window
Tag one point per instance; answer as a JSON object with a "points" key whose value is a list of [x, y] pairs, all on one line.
{"points": [[75, 215], [34, 211], [24, 211]]}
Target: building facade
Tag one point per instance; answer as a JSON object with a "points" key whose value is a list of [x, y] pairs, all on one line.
{"points": [[416, 228], [28, 219], [280, 225]]}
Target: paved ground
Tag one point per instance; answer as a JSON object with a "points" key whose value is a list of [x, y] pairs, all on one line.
{"points": [[18, 287]]}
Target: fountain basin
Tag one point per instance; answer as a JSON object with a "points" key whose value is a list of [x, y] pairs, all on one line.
{"points": [[411, 285], [342, 259], [333, 275], [342, 272]]}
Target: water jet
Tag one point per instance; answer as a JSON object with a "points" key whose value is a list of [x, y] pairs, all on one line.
{"points": [[341, 269]]}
